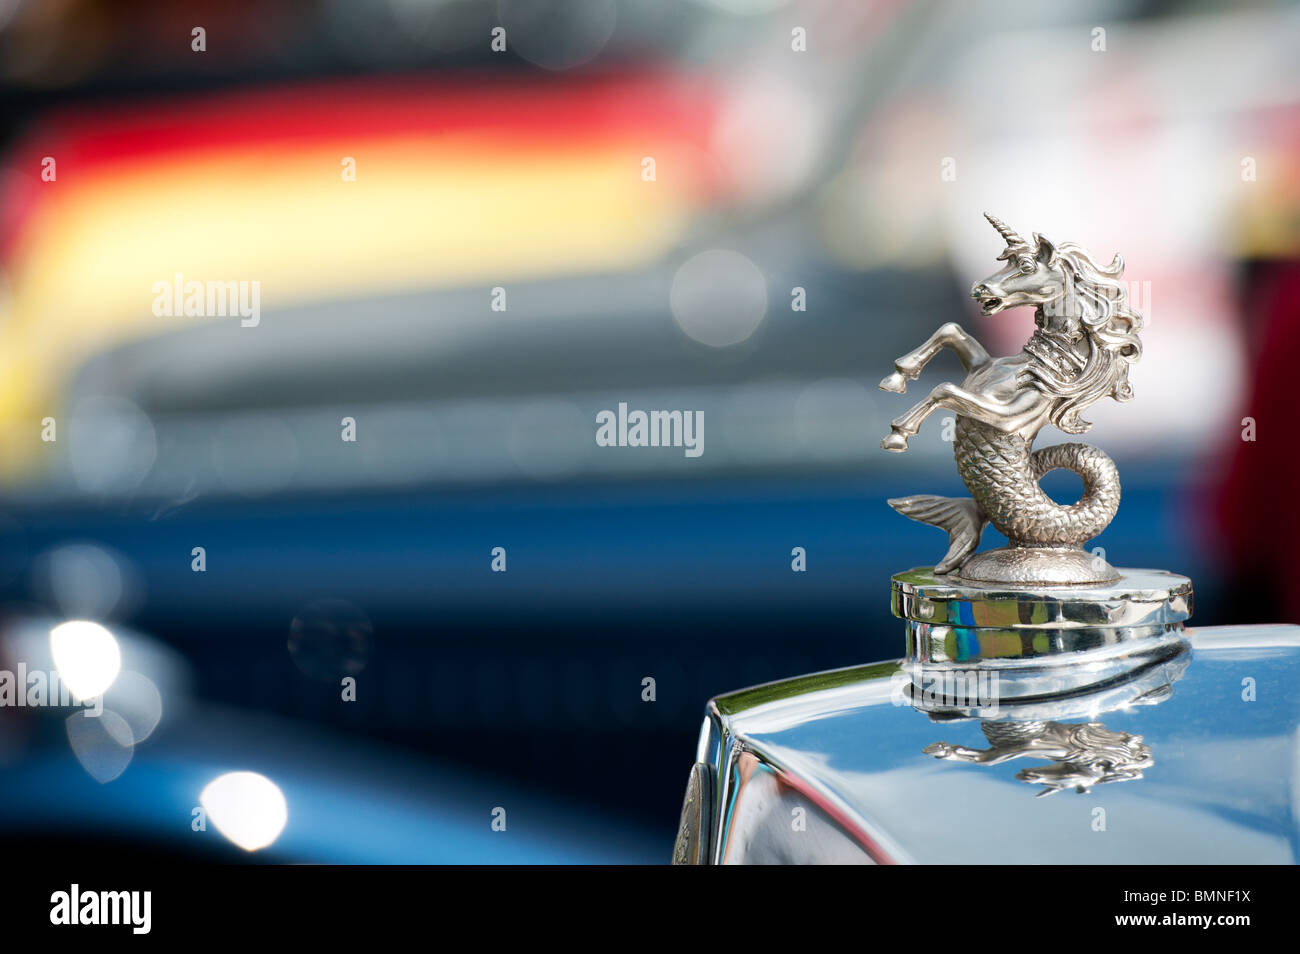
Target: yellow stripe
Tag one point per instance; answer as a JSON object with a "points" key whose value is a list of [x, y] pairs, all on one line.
{"points": [[423, 212]]}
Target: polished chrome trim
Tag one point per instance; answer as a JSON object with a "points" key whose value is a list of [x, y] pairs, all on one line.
{"points": [[1138, 598]]}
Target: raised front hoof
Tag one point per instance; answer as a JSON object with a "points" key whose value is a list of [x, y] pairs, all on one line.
{"points": [[895, 382], [895, 442]]}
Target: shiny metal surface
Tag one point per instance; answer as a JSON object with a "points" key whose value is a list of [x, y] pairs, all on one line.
{"points": [[1137, 598], [776, 820], [1204, 738], [1080, 352], [1035, 640]]}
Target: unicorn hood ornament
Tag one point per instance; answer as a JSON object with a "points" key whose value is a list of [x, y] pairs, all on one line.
{"points": [[1026, 671], [1086, 338]]}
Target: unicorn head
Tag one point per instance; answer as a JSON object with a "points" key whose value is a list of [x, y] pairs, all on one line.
{"points": [[1079, 304], [1032, 275]]}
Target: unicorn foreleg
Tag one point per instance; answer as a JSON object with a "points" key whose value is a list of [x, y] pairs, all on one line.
{"points": [[950, 335], [902, 428], [990, 756], [1004, 415], [1007, 416]]}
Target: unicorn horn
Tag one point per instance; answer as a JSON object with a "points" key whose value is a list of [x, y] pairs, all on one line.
{"points": [[1013, 240]]}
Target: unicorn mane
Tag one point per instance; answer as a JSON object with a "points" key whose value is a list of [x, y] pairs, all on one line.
{"points": [[1113, 344]]}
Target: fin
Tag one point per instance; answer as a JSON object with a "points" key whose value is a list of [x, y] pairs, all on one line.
{"points": [[960, 516]]}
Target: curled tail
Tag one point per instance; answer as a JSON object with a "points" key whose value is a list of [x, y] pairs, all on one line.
{"points": [[961, 517], [1002, 474]]}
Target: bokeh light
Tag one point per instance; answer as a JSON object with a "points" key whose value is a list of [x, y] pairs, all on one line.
{"points": [[719, 297], [246, 807], [87, 657]]}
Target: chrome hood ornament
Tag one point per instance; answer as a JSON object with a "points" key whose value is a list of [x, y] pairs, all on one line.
{"points": [[1038, 654], [1085, 340], [1024, 607]]}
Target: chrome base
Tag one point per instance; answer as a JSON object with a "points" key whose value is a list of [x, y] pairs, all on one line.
{"points": [[1036, 566], [1039, 641]]}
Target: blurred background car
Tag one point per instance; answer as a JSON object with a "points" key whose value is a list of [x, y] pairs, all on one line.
{"points": [[471, 227]]}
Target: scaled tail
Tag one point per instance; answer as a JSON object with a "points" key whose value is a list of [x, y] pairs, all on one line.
{"points": [[960, 516]]}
